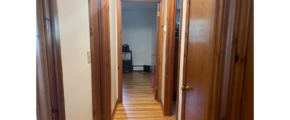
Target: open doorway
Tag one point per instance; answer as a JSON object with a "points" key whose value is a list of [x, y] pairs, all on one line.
{"points": [[139, 21], [140, 38]]}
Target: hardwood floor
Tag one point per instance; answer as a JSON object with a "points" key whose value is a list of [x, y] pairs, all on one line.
{"points": [[138, 100]]}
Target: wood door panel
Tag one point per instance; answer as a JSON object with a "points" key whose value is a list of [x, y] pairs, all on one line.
{"points": [[199, 59]]}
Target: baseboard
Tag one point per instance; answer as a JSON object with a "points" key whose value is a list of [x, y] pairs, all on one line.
{"points": [[114, 110]]}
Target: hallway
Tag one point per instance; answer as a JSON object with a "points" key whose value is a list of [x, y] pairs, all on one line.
{"points": [[138, 100]]}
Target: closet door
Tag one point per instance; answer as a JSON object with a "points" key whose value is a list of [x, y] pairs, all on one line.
{"points": [[199, 58]]}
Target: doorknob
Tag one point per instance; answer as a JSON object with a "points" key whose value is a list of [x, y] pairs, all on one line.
{"points": [[185, 88]]}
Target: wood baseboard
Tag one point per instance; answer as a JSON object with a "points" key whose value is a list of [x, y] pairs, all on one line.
{"points": [[115, 108]]}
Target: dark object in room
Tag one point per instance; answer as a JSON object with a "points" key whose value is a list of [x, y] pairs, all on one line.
{"points": [[146, 68], [125, 48], [127, 59]]}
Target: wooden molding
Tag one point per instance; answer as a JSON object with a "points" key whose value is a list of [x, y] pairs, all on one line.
{"points": [[57, 59], [119, 47], [160, 46], [51, 61], [170, 41], [42, 75], [95, 58], [114, 110], [105, 60], [160, 49]]}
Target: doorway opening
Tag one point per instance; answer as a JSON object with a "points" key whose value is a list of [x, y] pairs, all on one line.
{"points": [[140, 41]]}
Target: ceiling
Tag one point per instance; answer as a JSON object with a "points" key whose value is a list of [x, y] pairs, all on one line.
{"points": [[143, 5]]}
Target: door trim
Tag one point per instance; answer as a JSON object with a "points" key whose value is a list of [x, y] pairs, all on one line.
{"points": [[160, 50], [156, 52], [51, 64], [105, 60], [94, 13], [101, 57], [119, 47], [169, 56]]}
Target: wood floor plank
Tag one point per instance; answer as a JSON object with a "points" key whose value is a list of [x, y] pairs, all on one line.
{"points": [[138, 100]]}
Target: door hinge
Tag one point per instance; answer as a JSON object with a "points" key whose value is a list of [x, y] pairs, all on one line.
{"points": [[158, 14], [172, 64], [94, 113]]}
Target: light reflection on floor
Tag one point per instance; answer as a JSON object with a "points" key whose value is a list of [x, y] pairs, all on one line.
{"points": [[138, 100]]}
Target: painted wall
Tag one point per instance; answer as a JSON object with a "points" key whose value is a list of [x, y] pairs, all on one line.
{"points": [[178, 15], [181, 59], [153, 51], [138, 27], [163, 57], [114, 55], [75, 42]]}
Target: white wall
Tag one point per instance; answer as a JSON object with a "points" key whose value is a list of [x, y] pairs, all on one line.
{"points": [[181, 58], [114, 55], [75, 42], [153, 51], [138, 27], [177, 15], [164, 55]]}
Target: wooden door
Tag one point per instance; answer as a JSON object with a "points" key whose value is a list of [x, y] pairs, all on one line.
{"points": [[156, 54], [199, 56]]}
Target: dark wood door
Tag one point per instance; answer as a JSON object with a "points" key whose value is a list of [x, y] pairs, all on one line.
{"points": [[199, 58], [156, 53]]}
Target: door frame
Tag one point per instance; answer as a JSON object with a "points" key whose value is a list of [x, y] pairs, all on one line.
{"points": [[169, 51], [95, 14], [119, 44], [101, 58], [156, 52], [50, 92]]}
